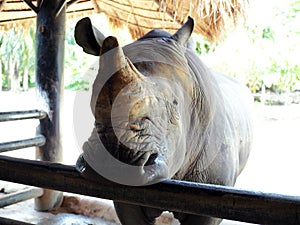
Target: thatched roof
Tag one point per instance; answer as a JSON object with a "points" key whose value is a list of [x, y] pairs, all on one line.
{"points": [[211, 16], [17, 13]]}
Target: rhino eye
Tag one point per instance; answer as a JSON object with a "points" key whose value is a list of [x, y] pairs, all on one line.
{"points": [[173, 112], [167, 40]]}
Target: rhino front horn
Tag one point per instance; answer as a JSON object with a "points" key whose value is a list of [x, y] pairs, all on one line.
{"points": [[184, 33], [115, 73]]}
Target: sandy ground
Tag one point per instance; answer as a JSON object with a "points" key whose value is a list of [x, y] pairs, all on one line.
{"points": [[273, 165]]}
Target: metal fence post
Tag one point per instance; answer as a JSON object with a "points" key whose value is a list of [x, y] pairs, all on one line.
{"points": [[50, 36]]}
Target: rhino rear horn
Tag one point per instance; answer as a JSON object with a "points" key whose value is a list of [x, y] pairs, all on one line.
{"points": [[115, 59], [109, 43], [184, 33], [88, 37]]}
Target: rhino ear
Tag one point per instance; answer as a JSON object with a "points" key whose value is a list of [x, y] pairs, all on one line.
{"points": [[88, 37], [184, 33]]}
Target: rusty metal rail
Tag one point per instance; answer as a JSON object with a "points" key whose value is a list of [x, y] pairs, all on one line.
{"points": [[20, 196], [180, 196], [21, 115], [39, 140]]}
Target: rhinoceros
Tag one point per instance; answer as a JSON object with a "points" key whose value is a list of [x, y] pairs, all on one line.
{"points": [[161, 113]]}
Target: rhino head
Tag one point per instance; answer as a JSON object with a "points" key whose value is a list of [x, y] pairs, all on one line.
{"points": [[140, 99]]}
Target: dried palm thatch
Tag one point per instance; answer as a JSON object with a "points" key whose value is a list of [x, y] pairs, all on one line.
{"points": [[212, 17]]}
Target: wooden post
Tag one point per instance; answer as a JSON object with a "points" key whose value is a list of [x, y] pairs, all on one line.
{"points": [[50, 36]]}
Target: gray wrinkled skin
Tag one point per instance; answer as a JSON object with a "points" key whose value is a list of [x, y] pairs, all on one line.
{"points": [[197, 121]]}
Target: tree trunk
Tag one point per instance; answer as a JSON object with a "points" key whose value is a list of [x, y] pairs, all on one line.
{"points": [[1, 76], [10, 73], [15, 77], [25, 79]]}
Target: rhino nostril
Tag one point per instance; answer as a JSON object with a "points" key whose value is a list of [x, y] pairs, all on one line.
{"points": [[139, 124], [151, 159], [135, 127]]}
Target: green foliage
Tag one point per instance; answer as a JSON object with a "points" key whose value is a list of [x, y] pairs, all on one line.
{"points": [[78, 85], [264, 53], [267, 33], [17, 55], [203, 46], [77, 64]]}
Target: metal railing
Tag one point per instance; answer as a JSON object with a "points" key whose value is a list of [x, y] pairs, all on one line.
{"points": [[39, 140], [178, 196], [21, 115], [20, 196]]}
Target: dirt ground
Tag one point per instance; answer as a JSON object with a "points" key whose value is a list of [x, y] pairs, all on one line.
{"points": [[273, 165]]}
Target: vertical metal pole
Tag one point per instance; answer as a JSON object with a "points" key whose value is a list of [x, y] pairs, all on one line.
{"points": [[50, 38]]}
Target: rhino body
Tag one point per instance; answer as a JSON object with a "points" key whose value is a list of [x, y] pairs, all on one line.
{"points": [[158, 108]]}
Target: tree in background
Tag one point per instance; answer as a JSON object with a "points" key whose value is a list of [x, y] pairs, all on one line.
{"points": [[263, 53], [17, 55]]}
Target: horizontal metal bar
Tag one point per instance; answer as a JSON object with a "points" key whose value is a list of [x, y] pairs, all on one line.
{"points": [[20, 196], [178, 196], [7, 221], [30, 142], [21, 115]]}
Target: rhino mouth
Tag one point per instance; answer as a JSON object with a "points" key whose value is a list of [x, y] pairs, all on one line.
{"points": [[151, 159], [138, 143], [137, 158], [135, 152]]}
